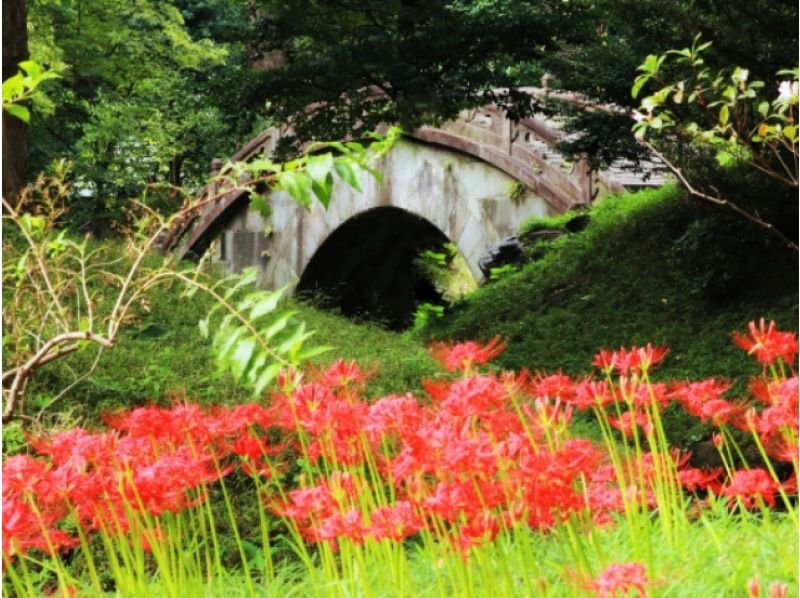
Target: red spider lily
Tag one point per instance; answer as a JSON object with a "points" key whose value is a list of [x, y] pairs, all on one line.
{"points": [[476, 459], [634, 360], [784, 450], [694, 479], [548, 414], [649, 394], [252, 450], [590, 393], [775, 590], [776, 392], [340, 375], [463, 357], [750, 485], [777, 420], [604, 360], [643, 359], [396, 522], [25, 528], [474, 396], [778, 590], [305, 407], [304, 503], [480, 529], [620, 579], [349, 525], [556, 386], [162, 485], [768, 343], [630, 420], [704, 401], [394, 414]]}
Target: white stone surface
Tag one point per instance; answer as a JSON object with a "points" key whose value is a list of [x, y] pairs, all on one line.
{"points": [[473, 203]]}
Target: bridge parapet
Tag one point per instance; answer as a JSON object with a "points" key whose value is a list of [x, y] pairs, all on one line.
{"points": [[526, 151]]}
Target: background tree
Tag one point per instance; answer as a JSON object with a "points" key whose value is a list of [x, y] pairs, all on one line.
{"points": [[612, 38], [140, 99], [403, 61], [15, 131]]}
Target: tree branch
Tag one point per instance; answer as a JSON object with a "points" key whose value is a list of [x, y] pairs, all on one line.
{"points": [[52, 349], [754, 218]]}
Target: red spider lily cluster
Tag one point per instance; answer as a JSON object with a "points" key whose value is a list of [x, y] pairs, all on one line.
{"points": [[481, 453], [153, 460]]}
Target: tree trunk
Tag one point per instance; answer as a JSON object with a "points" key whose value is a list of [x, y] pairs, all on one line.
{"points": [[15, 132]]}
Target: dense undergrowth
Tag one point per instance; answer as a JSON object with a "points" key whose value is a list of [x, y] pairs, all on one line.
{"points": [[653, 266]]}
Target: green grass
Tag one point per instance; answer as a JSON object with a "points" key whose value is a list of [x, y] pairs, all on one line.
{"points": [[650, 267], [161, 356]]}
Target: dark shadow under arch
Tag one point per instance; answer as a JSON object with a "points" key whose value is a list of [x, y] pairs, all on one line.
{"points": [[366, 268]]}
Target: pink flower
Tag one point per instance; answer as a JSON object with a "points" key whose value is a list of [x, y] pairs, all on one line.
{"points": [[619, 579], [464, 356]]}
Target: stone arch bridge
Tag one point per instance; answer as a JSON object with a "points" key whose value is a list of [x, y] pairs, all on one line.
{"points": [[471, 181]]}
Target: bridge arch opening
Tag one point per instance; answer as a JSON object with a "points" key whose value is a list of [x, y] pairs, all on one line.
{"points": [[368, 268]]}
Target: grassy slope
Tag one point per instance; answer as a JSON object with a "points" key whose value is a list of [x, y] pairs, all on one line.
{"points": [[650, 267], [162, 356]]}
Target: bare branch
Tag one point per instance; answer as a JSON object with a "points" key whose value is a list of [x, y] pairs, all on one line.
{"points": [[752, 217], [51, 350]]}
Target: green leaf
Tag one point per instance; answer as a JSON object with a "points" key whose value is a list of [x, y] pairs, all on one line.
{"points": [[261, 204], [763, 109], [638, 84], [347, 171], [13, 87], [241, 356], [265, 377], [31, 68], [203, 325], [266, 305], [650, 65], [261, 165], [32, 224], [278, 325], [314, 351], [319, 166], [376, 174], [295, 339], [229, 338], [21, 112], [724, 115], [298, 185], [323, 190]]}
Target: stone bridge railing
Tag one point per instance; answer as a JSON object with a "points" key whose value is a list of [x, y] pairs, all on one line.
{"points": [[525, 150]]}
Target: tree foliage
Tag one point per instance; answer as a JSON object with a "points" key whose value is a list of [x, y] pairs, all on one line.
{"points": [[138, 101], [613, 37], [344, 67]]}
